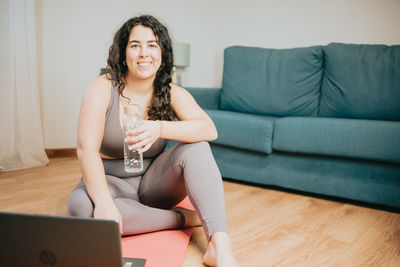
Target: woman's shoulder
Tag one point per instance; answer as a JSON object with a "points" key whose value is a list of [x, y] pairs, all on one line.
{"points": [[99, 89], [181, 99], [178, 91], [101, 83]]}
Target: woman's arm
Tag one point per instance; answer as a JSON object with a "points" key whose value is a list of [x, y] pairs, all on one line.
{"points": [[90, 134], [194, 124]]}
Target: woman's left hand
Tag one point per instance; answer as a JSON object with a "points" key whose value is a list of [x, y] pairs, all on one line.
{"points": [[144, 135]]}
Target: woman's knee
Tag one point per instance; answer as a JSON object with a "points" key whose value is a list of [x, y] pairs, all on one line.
{"points": [[202, 146], [80, 205], [200, 150]]}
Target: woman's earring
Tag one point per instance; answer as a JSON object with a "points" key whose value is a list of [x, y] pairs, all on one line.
{"points": [[124, 63]]}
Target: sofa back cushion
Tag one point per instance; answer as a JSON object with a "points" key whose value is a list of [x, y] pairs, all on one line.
{"points": [[361, 81], [278, 82]]}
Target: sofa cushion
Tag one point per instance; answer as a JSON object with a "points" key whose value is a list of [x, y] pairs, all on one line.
{"points": [[277, 82], [361, 81], [246, 131], [362, 139]]}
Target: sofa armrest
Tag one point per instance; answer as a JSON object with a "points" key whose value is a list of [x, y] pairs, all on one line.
{"points": [[207, 98]]}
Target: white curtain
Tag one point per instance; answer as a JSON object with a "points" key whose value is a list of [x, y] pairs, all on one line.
{"points": [[21, 136]]}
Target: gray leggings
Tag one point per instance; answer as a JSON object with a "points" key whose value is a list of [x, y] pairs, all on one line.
{"points": [[145, 201]]}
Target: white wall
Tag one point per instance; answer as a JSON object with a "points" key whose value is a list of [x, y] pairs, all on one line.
{"points": [[77, 34]]}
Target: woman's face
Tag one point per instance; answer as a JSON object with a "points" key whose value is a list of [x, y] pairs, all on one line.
{"points": [[143, 53]]}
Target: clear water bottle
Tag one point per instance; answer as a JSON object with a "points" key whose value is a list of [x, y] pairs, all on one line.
{"points": [[133, 160]]}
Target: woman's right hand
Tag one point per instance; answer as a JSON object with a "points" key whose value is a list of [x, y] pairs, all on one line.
{"points": [[108, 211]]}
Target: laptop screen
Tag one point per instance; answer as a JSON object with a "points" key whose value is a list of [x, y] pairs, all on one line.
{"points": [[42, 240]]}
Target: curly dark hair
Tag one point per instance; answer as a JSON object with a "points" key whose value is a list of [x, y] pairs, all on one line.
{"points": [[117, 70]]}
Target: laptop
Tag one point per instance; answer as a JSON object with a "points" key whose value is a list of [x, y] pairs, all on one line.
{"points": [[42, 240]]}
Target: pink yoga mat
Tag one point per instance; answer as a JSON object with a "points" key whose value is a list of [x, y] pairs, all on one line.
{"points": [[160, 249]]}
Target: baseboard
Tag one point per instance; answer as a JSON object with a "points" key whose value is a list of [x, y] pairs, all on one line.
{"points": [[60, 152]]}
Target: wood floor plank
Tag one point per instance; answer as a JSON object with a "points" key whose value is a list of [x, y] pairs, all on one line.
{"points": [[268, 227]]}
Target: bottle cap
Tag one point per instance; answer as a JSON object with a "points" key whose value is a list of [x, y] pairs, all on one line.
{"points": [[132, 109]]}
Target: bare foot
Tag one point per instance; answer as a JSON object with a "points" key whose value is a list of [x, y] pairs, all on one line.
{"points": [[219, 252], [210, 257], [191, 217]]}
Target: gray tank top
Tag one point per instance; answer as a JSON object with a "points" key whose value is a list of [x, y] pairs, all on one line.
{"points": [[113, 143]]}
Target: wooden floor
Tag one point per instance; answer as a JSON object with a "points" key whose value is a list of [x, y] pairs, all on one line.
{"points": [[268, 227]]}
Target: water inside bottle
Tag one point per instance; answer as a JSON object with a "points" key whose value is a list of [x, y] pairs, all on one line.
{"points": [[133, 160]]}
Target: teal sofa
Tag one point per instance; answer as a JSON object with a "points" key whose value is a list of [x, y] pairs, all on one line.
{"points": [[320, 119]]}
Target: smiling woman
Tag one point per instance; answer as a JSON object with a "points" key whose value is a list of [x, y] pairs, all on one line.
{"points": [[145, 41], [139, 72]]}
